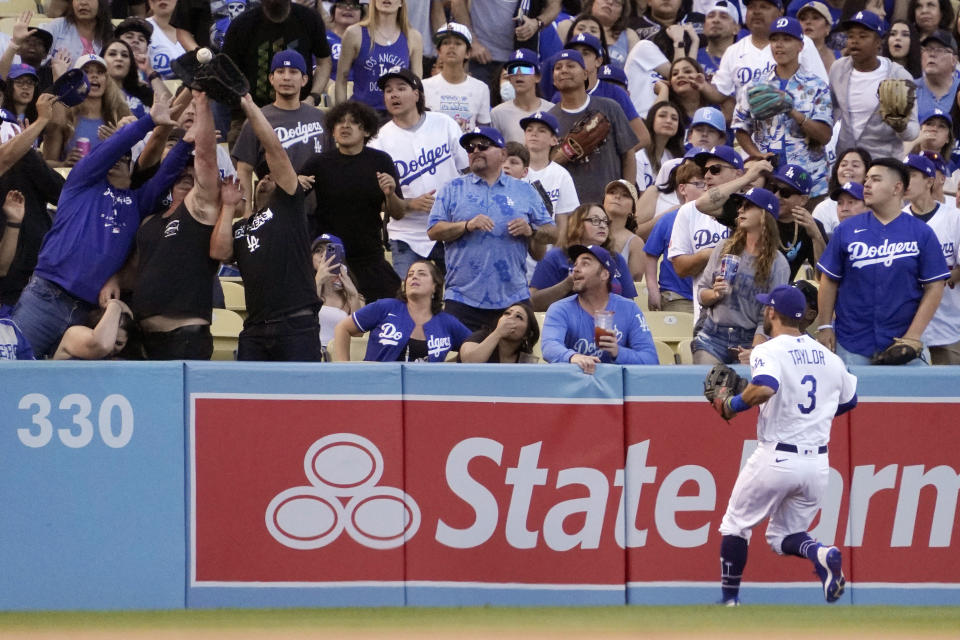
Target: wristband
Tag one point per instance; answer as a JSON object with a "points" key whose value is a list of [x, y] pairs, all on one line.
{"points": [[737, 403], [13, 225], [824, 326]]}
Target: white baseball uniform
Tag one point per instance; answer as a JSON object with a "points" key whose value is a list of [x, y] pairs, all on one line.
{"points": [[786, 477]]}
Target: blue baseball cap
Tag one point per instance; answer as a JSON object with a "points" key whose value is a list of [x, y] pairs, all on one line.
{"points": [[523, 57], [71, 88], [693, 152], [543, 118], [489, 133], [570, 54], [598, 252], [795, 177], [722, 152], [21, 69], [787, 26], [587, 40], [926, 115], [786, 300], [777, 3], [867, 20], [328, 238], [612, 73], [921, 163], [289, 58], [937, 161], [710, 116], [853, 189], [763, 199]]}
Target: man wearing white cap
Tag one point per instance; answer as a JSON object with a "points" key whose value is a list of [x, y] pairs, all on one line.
{"points": [[720, 28], [453, 92]]}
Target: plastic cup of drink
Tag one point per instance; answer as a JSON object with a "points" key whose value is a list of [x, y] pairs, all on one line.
{"points": [[602, 325], [729, 264]]}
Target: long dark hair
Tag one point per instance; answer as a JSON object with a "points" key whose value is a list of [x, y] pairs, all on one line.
{"points": [[946, 14], [131, 84], [436, 300], [912, 60], [532, 335], [674, 143], [860, 151], [102, 27]]}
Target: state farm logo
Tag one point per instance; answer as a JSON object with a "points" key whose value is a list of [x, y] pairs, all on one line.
{"points": [[343, 470]]}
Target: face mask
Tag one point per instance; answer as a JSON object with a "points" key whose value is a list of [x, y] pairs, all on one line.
{"points": [[507, 92]]}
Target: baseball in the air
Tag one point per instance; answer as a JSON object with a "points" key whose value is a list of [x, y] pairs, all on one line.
{"points": [[204, 55]]}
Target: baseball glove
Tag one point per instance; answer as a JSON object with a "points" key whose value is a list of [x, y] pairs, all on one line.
{"points": [[721, 384], [766, 101], [897, 98], [585, 137], [220, 78], [901, 351]]}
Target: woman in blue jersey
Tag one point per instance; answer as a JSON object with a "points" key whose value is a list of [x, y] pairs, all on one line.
{"points": [[122, 69], [380, 42], [408, 328]]}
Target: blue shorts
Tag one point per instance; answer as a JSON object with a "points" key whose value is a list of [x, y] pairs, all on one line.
{"points": [[721, 341]]}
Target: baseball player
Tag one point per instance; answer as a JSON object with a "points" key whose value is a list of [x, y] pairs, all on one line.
{"points": [[800, 386]]}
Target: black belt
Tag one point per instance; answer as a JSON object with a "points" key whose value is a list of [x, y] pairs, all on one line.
{"points": [[792, 448]]}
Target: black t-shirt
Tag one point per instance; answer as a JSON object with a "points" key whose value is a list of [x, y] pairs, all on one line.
{"points": [[174, 270], [39, 185], [252, 40], [196, 17], [349, 199], [272, 250], [797, 249]]}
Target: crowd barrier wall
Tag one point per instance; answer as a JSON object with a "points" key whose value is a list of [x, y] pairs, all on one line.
{"points": [[171, 485]]}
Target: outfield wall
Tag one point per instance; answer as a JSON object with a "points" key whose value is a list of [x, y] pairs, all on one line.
{"points": [[164, 485]]}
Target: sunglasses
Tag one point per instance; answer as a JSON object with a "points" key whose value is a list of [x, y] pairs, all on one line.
{"points": [[477, 146], [786, 192], [716, 169], [522, 70], [598, 222]]}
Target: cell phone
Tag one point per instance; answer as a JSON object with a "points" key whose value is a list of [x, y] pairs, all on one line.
{"points": [[336, 251]]}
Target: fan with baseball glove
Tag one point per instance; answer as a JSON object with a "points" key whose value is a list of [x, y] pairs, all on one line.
{"points": [[897, 99], [219, 77], [585, 137]]}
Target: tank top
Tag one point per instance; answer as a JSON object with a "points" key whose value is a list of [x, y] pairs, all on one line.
{"points": [[176, 273], [370, 64], [618, 50]]}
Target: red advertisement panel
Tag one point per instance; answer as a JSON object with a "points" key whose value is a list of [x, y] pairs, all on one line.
{"points": [[522, 493], [293, 490]]}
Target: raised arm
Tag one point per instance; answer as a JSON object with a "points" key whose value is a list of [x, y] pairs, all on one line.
{"points": [[221, 241], [281, 169], [18, 146], [95, 165], [711, 203], [93, 344], [203, 200]]}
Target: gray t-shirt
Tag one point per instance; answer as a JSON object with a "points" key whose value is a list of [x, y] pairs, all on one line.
{"points": [[740, 307], [604, 165], [492, 24], [506, 117], [300, 132]]}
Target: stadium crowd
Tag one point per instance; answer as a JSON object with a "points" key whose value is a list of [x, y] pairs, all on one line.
{"points": [[492, 179]]}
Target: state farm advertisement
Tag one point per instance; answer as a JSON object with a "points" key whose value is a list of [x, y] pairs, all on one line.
{"points": [[324, 491]]}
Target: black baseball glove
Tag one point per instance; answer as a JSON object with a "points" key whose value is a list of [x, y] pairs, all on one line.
{"points": [[721, 384], [220, 78]]}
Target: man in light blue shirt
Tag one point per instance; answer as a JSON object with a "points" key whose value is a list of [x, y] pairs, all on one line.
{"points": [[486, 220], [568, 329]]}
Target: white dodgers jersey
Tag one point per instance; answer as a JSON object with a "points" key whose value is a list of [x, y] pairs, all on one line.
{"points": [[810, 381]]}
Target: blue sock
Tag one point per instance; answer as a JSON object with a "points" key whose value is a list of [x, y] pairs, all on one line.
{"points": [[733, 558], [800, 545]]}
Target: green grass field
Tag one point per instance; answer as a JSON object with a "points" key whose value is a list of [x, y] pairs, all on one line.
{"points": [[640, 621]]}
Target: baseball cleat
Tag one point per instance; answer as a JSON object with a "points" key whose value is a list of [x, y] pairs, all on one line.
{"points": [[829, 568]]}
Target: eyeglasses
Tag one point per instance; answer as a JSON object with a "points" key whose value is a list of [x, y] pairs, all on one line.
{"points": [[716, 169], [476, 146], [936, 51], [699, 184], [786, 192], [522, 70], [598, 222]]}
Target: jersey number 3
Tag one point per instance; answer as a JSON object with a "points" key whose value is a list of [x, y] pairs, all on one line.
{"points": [[812, 394]]}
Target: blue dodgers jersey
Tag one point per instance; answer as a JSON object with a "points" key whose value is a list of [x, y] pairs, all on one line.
{"points": [[881, 270], [487, 270], [390, 326]]}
